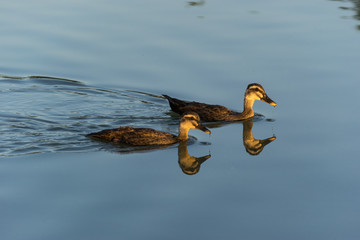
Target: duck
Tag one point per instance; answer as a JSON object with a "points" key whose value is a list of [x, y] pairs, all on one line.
{"points": [[213, 113], [148, 136]]}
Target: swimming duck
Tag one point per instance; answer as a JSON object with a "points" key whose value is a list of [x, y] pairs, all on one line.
{"points": [[211, 113], [148, 136]]}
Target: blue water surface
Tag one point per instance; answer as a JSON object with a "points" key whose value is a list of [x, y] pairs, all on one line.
{"points": [[68, 68]]}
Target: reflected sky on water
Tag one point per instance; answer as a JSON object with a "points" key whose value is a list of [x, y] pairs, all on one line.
{"points": [[70, 68]]}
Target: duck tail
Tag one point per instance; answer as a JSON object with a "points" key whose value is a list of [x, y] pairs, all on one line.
{"points": [[174, 103]]}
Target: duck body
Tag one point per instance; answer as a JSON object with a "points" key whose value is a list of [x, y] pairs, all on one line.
{"points": [[212, 113], [207, 112], [148, 136], [135, 136]]}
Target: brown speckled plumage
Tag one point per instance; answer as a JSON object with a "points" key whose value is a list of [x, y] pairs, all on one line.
{"points": [[211, 113], [135, 136], [147, 136]]}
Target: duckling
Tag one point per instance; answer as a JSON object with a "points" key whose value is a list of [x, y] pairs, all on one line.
{"points": [[148, 136], [211, 113]]}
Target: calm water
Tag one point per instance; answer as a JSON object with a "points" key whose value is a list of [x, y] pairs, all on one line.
{"points": [[69, 68]]}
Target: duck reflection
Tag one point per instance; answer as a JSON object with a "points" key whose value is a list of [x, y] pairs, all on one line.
{"points": [[189, 165], [253, 146]]}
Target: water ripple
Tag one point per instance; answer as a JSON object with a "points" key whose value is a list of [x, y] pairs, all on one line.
{"points": [[49, 114]]}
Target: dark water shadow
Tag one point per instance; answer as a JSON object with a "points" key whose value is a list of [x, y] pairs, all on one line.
{"points": [[355, 8], [196, 3]]}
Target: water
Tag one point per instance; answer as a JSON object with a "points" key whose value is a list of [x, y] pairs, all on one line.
{"points": [[69, 68]]}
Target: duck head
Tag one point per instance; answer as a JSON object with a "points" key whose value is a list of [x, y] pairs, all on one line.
{"points": [[255, 91], [191, 120]]}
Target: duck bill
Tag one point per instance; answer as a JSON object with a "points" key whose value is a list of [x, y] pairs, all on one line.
{"points": [[204, 129], [269, 101], [271, 139]]}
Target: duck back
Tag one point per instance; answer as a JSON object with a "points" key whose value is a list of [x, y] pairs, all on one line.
{"points": [[134, 136], [207, 112]]}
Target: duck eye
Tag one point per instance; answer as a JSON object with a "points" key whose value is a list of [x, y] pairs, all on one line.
{"points": [[190, 118]]}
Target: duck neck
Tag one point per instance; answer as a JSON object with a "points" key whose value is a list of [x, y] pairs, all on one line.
{"points": [[247, 113], [183, 134], [248, 107]]}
